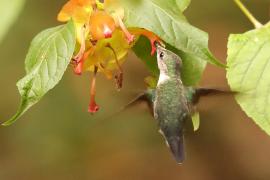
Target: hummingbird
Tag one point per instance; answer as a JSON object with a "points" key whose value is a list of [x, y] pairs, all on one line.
{"points": [[170, 104], [173, 104]]}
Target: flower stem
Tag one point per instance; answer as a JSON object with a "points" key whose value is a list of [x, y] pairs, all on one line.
{"points": [[118, 77], [252, 19], [130, 37]]}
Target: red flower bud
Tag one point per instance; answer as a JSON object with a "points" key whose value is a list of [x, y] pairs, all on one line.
{"points": [[101, 25], [78, 68], [93, 107]]}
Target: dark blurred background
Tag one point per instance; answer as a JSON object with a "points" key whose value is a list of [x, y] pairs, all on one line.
{"points": [[57, 139]]}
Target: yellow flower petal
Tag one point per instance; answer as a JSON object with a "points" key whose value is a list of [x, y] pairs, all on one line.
{"points": [[79, 10], [113, 7], [104, 55]]}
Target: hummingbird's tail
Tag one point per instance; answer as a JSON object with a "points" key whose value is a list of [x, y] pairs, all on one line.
{"points": [[176, 144]]}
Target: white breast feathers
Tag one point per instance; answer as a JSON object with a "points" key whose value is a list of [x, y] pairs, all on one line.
{"points": [[163, 78]]}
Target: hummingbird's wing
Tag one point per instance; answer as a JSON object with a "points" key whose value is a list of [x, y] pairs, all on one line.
{"points": [[194, 94], [147, 97]]}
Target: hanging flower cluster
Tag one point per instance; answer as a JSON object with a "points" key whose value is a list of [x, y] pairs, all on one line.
{"points": [[103, 41]]}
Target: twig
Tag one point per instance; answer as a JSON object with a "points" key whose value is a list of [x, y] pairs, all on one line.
{"points": [[252, 19]]}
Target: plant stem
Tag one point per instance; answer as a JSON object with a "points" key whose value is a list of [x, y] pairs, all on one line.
{"points": [[252, 19]]}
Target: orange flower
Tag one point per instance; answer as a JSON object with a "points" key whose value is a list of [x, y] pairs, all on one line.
{"points": [[79, 10], [103, 39], [102, 25]]}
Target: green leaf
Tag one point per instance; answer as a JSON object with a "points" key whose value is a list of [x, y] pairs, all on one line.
{"points": [[196, 121], [193, 66], [165, 19], [248, 73], [9, 11], [142, 49], [47, 60]]}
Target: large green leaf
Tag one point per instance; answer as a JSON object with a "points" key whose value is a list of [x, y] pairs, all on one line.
{"points": [[165, 19], [47, 60], [193, 66], [248, 73], [9, 11]]}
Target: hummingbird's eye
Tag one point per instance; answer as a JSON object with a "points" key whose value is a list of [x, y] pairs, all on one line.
{"points": [[161, 55]]}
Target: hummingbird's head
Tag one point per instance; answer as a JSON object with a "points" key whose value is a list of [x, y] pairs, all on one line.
{"points": [[168, 62]]}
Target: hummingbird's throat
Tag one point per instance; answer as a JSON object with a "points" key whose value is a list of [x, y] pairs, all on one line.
{"points": [[163, 77]]}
